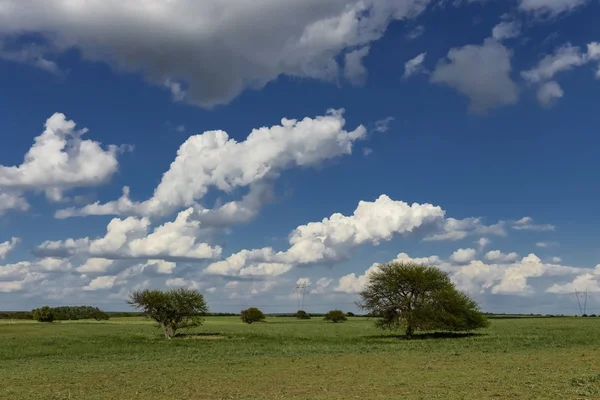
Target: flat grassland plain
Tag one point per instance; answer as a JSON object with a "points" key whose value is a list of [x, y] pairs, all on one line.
{"points": [[285, 358]]}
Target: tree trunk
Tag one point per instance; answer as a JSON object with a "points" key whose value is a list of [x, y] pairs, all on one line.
{"points": [[165, 331], [409, 332]]}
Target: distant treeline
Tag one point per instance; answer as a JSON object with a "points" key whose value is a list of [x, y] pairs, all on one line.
{"points": [[87, 312], [63, 313], [73, 313], [16, 315], [349, 314], [516, 316]]}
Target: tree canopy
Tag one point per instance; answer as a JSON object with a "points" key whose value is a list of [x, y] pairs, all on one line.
{"points": [[64, 313], [252, 315], [301, 314], [172, 309], [418, 297], [43, 314], [335, 316]]}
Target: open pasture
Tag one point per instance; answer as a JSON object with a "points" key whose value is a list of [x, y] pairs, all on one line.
{"points": [[285, 358]]}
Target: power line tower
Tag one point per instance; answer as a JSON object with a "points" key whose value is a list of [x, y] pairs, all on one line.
{"points": [[582, 297], [301, 290]]}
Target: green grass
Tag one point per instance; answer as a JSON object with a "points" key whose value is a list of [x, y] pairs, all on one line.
{"points": [[284, 358]]}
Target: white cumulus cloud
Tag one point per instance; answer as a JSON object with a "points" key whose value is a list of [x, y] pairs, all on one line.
{"points": [[587, 281], [502, 274], [60, 159], [131, 238], [101, 283], [462, 256], [333, 238], [500, 257], [9, 245], [95, 265], [213, 160], [12, 201]]}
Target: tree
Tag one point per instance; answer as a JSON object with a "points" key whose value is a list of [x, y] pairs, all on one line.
{"points": [[173, 309], [350, 314], [418, 297], [44, 314], [335, 316], [99, 315], [252, 315], [74, 313], [301, 314]]}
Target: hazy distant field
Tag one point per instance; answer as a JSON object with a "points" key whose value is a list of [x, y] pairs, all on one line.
{"points": [[553, 358]]}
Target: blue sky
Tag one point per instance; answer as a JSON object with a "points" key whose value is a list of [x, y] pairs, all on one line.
{"points": [[456, 133]]}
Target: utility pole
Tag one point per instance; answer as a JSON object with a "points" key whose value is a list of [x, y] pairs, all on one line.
{"points": [[582, 297], [301, 290]]}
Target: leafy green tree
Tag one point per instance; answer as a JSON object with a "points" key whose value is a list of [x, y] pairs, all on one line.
{"points": [[335, 316], [252, 315], [99, 315], [44, 314], [350, 314], [418, 297], [172, 309], [301, 314], [73, 313]]}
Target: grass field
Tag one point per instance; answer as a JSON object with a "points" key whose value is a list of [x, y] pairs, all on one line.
{"points": [[545, 358]]}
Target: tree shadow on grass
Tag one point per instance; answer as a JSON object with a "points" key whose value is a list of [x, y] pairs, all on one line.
{"points": [[429, 335], [201, 335]]}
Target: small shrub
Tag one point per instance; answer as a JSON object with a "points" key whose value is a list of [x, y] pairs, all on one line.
{"points": [[335, 316], [44, 314], [252, 315], [350, 314], [301, 314]]}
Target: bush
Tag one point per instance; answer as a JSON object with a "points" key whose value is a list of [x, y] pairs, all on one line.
{"points": [[252, 315], [350, 314], [301, 314], [335, 316], [44, 314]]}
